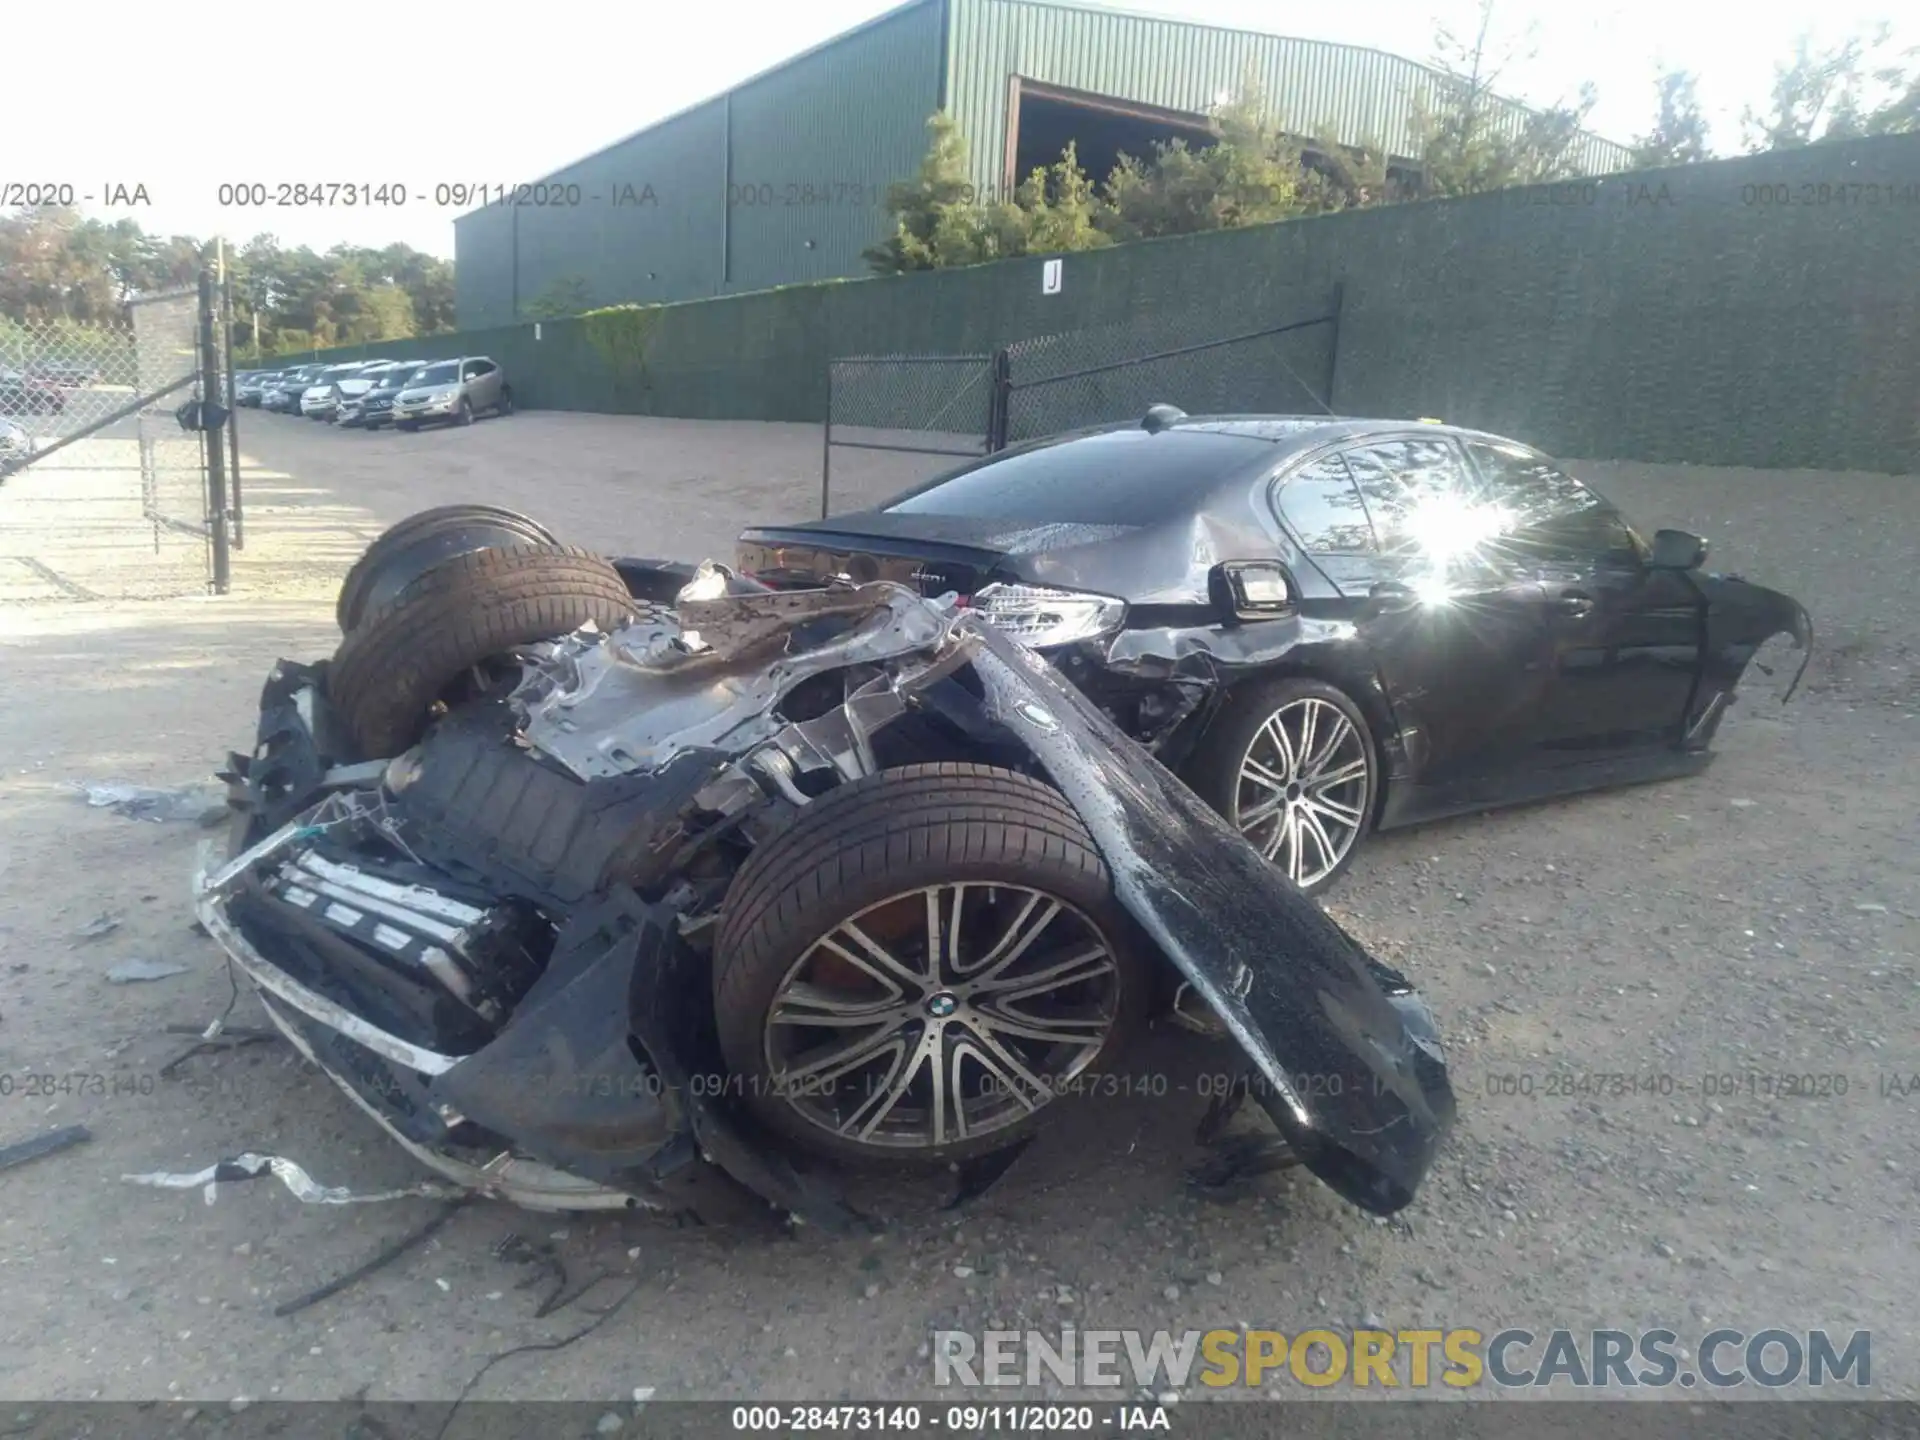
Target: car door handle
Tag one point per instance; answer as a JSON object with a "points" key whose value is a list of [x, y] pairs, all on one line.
{"points": [[1574, 604]]}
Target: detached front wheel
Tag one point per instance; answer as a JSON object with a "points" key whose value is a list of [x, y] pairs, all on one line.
{"points": [[923, 965]]}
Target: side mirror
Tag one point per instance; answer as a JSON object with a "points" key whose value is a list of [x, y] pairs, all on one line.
{"points": [[1253, 589], [1677, 550]]}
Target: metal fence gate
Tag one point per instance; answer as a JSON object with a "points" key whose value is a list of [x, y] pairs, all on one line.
{"points": [[907, 405], [117, 441], [1265, 355]]}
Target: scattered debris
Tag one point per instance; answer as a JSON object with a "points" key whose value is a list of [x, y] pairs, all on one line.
{"points": [[105, 923], [1740, 804], [217, 1036], [132, 972], [54, 1141], [202, 804], [391, 1253], [1871, 907], [251, 1167]]}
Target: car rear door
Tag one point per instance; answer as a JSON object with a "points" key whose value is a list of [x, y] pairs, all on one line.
{"points": [[483, 384], [1460, 644], [1625, 639]]}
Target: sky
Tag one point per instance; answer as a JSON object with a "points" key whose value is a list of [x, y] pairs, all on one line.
{"points": [[287, 93]]}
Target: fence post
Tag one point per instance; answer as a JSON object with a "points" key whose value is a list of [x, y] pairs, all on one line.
{"points": [[233, 402], [1001, 402], [826, 451], [214, 449], [1333, 344]]}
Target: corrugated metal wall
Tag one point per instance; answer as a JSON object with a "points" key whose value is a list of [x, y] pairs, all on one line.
{"points": [[1364, 95], [1753, 311], [782, 180]]}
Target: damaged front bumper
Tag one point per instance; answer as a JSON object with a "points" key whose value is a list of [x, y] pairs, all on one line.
{"points": [[596, 1085]]}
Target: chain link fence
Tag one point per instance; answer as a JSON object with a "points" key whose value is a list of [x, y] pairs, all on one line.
{"points": [[1258, 359], [903, 405], [103, 493], [1266, 354]]}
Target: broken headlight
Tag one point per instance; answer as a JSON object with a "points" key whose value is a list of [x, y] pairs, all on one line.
{"points": [[1039, 616]]}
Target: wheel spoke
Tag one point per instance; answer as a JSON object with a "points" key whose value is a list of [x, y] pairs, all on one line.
{"points": [[943, 932], [1275, 731], [1083, 965], [1310, 825], [1265, 776], [1347, 774], [1277, 840], [850, 1056], [1334, 810], [1337, 735], [874, 958], [1296, 846], [1053, 1030], [1309, 729], [801, 1003], [891, 1090], [1035, 916], [1265, 810], [979, 1045]]}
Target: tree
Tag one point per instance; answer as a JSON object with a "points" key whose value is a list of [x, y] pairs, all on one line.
{"points": [[1249, 175], [1817, 95], [1468, 139], [937, 220], [1679, 133]]}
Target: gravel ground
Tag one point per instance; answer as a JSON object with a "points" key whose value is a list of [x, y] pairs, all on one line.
{"points": [[1754, 921]]}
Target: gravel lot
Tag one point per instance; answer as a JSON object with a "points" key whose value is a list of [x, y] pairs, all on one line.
{"points": [[1761, 919]]}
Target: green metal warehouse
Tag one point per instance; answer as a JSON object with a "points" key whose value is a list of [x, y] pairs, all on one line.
{"points": [[782, 179]]}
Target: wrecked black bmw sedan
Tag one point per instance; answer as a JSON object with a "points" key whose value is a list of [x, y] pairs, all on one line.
{"points": [[597, 902], [1328, 626]]}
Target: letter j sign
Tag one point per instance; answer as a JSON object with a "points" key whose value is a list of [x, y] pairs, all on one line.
{"points": [[1050, 277]]}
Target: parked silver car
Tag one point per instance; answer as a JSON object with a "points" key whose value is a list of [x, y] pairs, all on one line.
{"points": [[455, 390]]}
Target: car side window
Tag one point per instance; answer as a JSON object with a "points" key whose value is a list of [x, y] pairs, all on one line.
{"points": [[1409, 486], [1322, 506], [1547, 516], [469, 370], [482, 367]]}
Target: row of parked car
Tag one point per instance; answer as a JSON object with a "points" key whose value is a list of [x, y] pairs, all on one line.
{"points": [[368, 394]]}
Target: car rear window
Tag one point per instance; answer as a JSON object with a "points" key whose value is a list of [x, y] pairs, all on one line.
{"points": [[1119, 477]]}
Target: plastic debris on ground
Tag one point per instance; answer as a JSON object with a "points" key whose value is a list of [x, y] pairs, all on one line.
{"points": [[132, 972], [52, 1142], [304, 1187], [202, 804]]}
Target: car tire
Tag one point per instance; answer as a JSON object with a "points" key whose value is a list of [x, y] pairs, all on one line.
{"points": [[1308, 807], [408, 654], [407, 425], [870, 852], [465, 415], [411, 546], [505, 405]]}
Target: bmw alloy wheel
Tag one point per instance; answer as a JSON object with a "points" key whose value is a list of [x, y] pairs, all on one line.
{"points": [[1304, 789], [941, 1015]]}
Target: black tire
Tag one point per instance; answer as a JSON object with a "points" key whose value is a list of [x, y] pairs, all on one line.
{"points": [[408, 425], [505, 407], [410, 546], [404, 656], [876, 843], [1215, 771], [465, 415]]}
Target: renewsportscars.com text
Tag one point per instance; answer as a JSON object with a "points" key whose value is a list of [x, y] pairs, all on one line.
{"points": [[1459, 1358]]}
